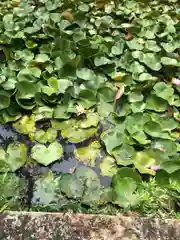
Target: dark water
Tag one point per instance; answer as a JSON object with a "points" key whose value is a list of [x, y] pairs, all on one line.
{"points": [[67, 164]]}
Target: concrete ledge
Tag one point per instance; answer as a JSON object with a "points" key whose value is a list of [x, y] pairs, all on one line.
{"points": [[59, 226]]}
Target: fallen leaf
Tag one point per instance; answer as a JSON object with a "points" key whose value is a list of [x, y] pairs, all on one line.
{"points": [[128, 36], [170, 112], [118, 94], [67, 15]]}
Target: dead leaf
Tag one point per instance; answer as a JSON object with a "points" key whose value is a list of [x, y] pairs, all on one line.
{"points": [[170, 112], [67, 15], [119, 93], [80, 110], [128, 36]]}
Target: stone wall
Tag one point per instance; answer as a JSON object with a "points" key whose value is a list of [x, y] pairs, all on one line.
{"points": [[59, 226]]}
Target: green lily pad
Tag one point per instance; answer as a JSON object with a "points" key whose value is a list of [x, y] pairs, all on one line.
{"points": [[46, 136], [126, 172], [156, 104], [108, 166], [92, 120], [87, 155], [124, 185], [52, 87], [164, 91], [60, 112], [85, 74], [63, 125], [76, 135], [12, 189], [13, 158], [41, 58], [135, 122], [141, 138], [104, 109], [26, 125], [71, 186], [43, 112], [91, 184], [166, 145], [112, 140], [4, 100], [154, 129], [124, 154], [143, 162], [46, 190], [47, 155], [152, 61], [124, 193], [135, 97], [169, 61]]}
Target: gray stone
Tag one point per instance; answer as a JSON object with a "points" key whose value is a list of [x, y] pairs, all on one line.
{"points": [[69, 226]]}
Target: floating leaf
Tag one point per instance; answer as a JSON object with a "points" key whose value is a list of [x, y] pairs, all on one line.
{"points": [[85, 74], [108, 166], [26, 125], [12, 190], [76, 135], [71, 186], [87, 155], [156, 104], [13, 158], [47, 155], [164, 91], [112, 140], [46, 136], [143, 162], [46, 190], [92, 185], [92, 120], [41, 58], [124, 154]]}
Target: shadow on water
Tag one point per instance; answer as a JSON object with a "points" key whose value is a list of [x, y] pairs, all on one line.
{"points": [[67, 164]]}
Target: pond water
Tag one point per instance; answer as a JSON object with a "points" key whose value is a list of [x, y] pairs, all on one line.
{"points": [[68, 164]]}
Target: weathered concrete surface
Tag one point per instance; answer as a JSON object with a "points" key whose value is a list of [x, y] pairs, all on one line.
{"points": [[59, 226]]}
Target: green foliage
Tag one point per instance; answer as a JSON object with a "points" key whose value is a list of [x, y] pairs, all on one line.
{"points": [[12, 190], [81, 68]]}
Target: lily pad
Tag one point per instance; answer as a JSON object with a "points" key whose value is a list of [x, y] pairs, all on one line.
{"points": [[46, 190], [91, 184], [108, 166], [71, 186], [124, 185], [164, 91], [87, 155], [124, 154], [125, 193], [13, 158], [76, 135], [143, 162], [46, 136], [112, 140], [166, 145], [47, 155], [12, 189], [92, 120], [26, 125]]}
